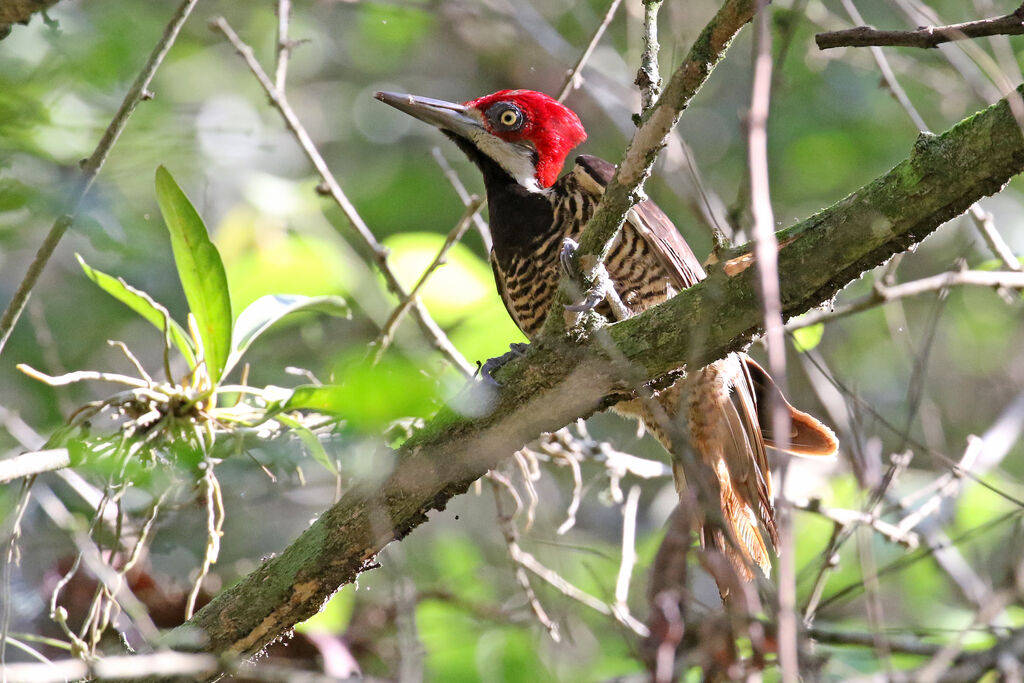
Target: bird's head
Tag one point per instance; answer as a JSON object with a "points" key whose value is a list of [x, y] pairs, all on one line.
{"points": [[527, 133]]}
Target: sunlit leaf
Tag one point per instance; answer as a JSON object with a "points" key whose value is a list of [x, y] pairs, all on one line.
{"points": [[370, 397], [201, 271], [806, 338], [143, 304], [267, 310], [335, 615]]}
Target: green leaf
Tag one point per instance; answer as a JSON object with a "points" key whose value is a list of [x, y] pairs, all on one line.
{"points": [[267, 310], [143, 304], [310, 441], [806, 338], [372, 396], [201, 271]]}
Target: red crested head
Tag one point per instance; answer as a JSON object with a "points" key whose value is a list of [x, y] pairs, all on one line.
{"points": [[534, 119]]}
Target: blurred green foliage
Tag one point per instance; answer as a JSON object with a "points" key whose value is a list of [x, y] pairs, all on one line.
{"points": [[922, 374]]}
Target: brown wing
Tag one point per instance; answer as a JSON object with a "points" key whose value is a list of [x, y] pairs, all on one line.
{"points": [[650, 221], [744, 446]]}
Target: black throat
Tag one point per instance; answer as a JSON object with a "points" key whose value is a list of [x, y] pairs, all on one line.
{"points": [[518, 217]]}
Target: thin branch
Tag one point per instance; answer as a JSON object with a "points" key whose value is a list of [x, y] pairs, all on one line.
{"points": [[848, 518], [766, 256], [430, 328], [387, 331], [986, 226], [887, 73], [882, 294], [511, 534], [573, 79], [91, 167], [648, 78], [629, 558], [28, 464], [903, 644], [284, 46], [926, 37], [464, 196]]}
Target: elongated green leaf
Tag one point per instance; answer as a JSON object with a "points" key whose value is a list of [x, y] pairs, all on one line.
{"points": [[143, 304], [267, 310], [201, 271], [311, 442]]}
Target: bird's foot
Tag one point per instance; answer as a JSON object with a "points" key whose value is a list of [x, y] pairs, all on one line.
{"points": [[566, 255], [596, 295], [603, 289], [487, 370]]}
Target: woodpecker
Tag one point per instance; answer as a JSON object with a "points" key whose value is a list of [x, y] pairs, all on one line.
{"points": [[519, 140]]}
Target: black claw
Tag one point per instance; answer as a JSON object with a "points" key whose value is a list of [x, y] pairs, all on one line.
{"points": [[492, 365], [565, 256]]}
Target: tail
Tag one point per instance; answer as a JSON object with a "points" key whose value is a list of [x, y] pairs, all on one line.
{"points": [[728, 406]]}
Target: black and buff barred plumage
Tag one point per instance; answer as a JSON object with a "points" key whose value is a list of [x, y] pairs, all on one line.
{"points": [[519, 141]]}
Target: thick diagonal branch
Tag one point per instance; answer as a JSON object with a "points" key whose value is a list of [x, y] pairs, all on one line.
{"points": [[557, 382]]}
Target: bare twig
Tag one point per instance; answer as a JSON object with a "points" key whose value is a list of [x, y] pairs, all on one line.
{"points": [[430, 328], [387, 331], [214, 526], [573, 79], [648, 78], [629, 513], [37, 462], [904, 644], [464, 196], [887, 73], [91, 167], [511, 534], [986, 226], [766, 258], [926, 37], [284, 46], [847, 518], [882, 294]]}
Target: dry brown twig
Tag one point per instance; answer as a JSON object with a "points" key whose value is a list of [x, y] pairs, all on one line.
{"points": [[1011, 24]]}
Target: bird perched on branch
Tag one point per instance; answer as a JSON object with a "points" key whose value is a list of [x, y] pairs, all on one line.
{"points": [[519, 139]]}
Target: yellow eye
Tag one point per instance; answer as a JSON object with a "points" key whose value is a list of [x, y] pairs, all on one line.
{"points": [[509, 117]]}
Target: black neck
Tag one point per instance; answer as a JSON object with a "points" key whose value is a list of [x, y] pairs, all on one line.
{"points": [[517, 216]]}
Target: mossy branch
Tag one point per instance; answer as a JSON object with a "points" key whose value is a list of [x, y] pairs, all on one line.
{"points": [[557, 382]]}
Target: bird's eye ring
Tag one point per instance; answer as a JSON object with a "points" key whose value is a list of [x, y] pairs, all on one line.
{"points": [[505, 116], [509, 117]]}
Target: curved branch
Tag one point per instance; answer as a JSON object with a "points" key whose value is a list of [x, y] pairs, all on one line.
{"points": [[557, 382]]}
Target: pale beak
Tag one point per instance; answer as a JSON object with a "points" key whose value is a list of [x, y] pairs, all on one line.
{"points": [[447, 116]]}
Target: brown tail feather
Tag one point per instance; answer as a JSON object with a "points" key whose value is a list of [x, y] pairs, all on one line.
{"points": [[725, 405]]}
